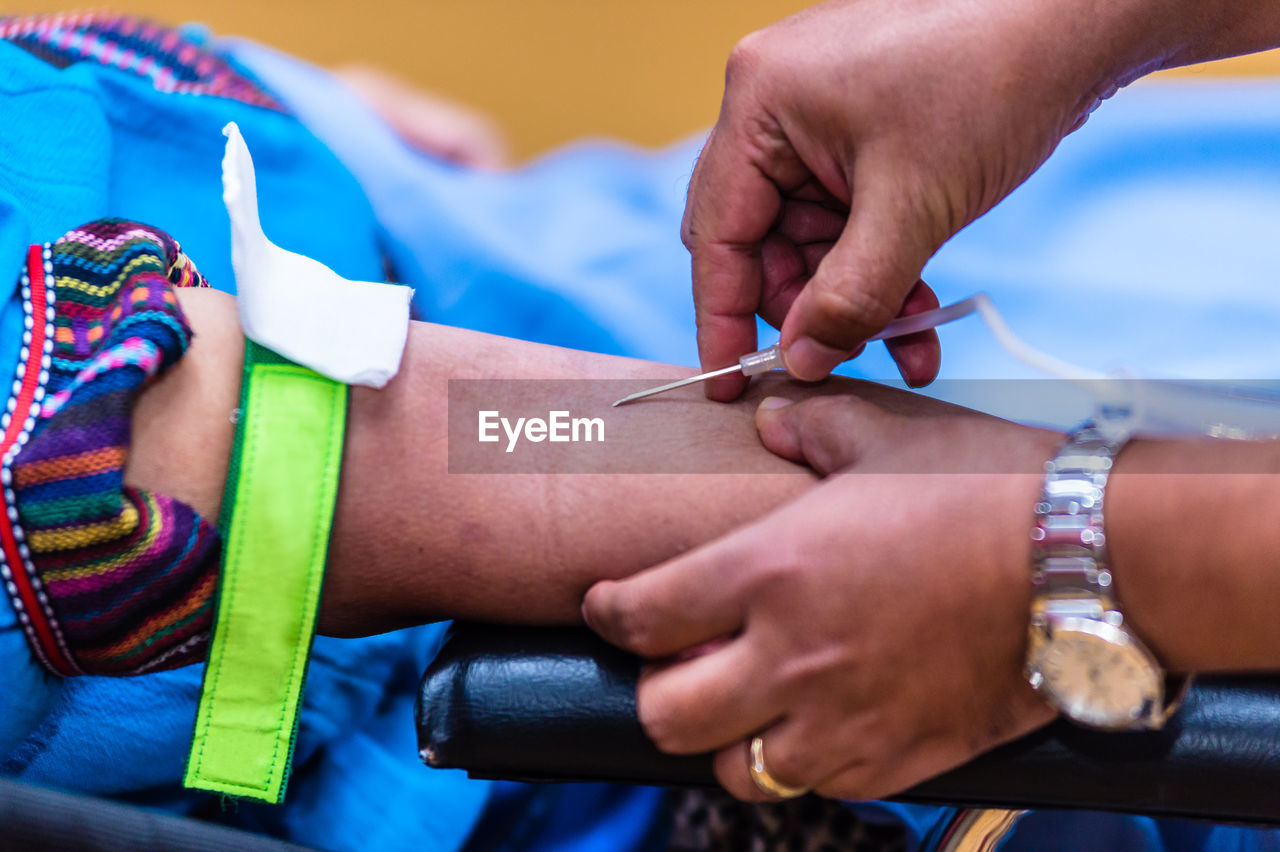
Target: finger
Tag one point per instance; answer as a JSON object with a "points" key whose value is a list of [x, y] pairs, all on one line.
{"points": [[814, 254], [707, 702], [673, 606], [796, 754], [733, 770], [785, 272], [810, 222], [800, 753], [825, 432], [738, 331], [858, 287], [787, 268], [918, 355], [734, 201], [730, 208], [809, 188]]}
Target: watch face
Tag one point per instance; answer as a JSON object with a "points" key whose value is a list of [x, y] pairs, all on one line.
{"points": [[1097, 675]]}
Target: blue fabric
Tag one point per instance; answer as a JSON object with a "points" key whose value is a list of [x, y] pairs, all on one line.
{"points": [[572, 818], [1165, 190], [30, 201], [87, 142], [29, 693], [1065, 831]]}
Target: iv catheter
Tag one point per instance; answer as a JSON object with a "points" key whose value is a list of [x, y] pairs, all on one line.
{"points": [[770, 358]]}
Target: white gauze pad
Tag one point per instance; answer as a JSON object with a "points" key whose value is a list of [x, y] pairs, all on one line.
{"points": [[351, 331]]}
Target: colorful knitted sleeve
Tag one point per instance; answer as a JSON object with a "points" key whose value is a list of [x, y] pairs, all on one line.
{"points": [[105, 578]]}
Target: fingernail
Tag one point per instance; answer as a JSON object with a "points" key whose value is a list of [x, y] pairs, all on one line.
{"points": [[769, 403], [809, 360]]}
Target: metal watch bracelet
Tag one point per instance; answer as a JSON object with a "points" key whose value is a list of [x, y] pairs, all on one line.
{"points": [[1071, 570]]}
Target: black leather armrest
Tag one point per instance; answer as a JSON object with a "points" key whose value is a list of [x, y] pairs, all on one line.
{"points": [[557, 704]]}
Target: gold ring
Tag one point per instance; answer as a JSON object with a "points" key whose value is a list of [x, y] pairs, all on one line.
{"points": [[764, 780]]}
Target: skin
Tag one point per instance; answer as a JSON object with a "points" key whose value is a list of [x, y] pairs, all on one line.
{"points": [[413, 542], [903, 657], [856, 137], [873, 630], [853, 141], [770, 633]]}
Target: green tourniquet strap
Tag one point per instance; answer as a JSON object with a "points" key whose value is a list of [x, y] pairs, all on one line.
{"points": [[277, 511]]}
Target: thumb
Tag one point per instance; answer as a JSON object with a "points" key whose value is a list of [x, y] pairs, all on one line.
{"points": [[858, 287], [825, 432]]}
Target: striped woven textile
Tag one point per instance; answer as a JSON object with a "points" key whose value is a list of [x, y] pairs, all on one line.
{"points": [[173, 60], [107, 579]]}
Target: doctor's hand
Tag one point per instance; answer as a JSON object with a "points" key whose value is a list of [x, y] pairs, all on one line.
{"points": [[856, 137], [872, 631]]}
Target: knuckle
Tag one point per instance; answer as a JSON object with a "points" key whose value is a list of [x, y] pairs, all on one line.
{"points": [[776, 575], [823, 669], [747, 56], [620, 619]]}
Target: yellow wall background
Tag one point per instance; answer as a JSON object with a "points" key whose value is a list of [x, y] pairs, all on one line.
{"points": [[648, 71]]}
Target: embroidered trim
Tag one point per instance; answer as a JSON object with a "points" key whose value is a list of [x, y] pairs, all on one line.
{"points": [[21, 411], [171, 60]]}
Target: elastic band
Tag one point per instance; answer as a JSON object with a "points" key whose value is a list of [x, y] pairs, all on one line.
{"points": [[277, 511]]}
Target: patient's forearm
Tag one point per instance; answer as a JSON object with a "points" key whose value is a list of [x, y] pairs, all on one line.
{"points": [[525, 546], [412, 541]]}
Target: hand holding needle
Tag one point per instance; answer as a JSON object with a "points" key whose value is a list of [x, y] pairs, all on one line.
{"points": [[764, 360]]}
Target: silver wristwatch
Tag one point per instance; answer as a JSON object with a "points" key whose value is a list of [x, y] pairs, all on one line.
{"points": [[1080, 654]]}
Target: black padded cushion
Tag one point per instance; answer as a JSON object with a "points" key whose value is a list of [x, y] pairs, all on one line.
{"points": [[557, 704]]}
